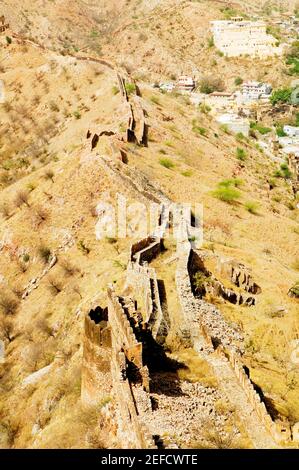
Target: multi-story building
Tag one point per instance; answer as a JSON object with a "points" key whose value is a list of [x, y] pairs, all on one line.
{"points": [[255, 90], [237, 37]]}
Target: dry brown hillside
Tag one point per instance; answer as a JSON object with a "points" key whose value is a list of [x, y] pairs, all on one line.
{"points": [[51, 264]]}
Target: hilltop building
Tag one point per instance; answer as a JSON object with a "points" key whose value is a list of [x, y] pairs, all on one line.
{"points": [[237, 37], [253, 91]]}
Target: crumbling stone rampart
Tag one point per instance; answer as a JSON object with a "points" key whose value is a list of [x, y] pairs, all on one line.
{"points": [[238, 275], [96, 376], [3, 25], [278, 432]]}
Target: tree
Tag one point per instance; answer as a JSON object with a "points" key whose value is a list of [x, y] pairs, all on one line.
{"points": [[8, 304], [282, 95]]}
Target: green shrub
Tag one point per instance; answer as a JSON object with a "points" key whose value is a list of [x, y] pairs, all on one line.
{"points": [[282, 95], [168, 143], [238, 81], [227, 194], [236, 182], [26, 257], [240, 137], [294, 291], [241, 154], [44, 253], [286, 172], [280, 132], [77, 114], [210, 83], [204, 108], [130, 88], [199, 130], [82, 247], [154, 99], [187, 173], [115, 90], [167, 163], [252, 207], [211, 42], [224, 128], [260, 128]]}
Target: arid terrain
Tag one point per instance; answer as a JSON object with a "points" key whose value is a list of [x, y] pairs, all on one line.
{"points": [[62, 65]]}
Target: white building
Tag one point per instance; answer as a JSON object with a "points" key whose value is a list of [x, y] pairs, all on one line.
{"points": [[234, 123], [237, 37], [196, 98], [167, 87], [185, 84], [253, 91], [220, 101], [291, 131], [285, 141], [291, 149]]}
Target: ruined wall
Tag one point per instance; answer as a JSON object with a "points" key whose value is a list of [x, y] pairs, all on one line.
{"points": [[239, 275], [200, 315], [3, 25], [134, 114], [146, 250], [279, 433], [96, 376], [143, 282], [130, 431], [126, 349]]}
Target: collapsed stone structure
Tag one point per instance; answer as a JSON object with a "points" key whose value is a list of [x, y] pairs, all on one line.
{"points": [[124, 340], [118, 340], [3, 25], [136, 126]]}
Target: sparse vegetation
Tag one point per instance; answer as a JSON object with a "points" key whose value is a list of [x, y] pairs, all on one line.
{"points": [[281, 96], [44, 253], [54, 285], [8, 304], [241, 154], [83, 247], [130, 88], [22, 197], [210, 83], [252, 207], [167, 163], [227, 193]]}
